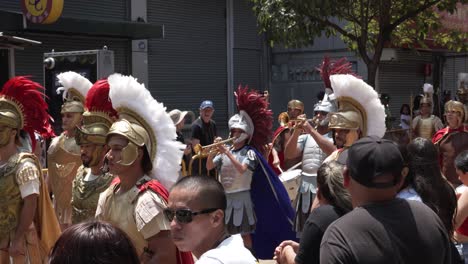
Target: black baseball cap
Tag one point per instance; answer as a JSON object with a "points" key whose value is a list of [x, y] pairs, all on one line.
{"points": [[371, 157]]}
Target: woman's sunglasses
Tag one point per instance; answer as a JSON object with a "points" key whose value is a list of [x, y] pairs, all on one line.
{"points": [[185, 216]]}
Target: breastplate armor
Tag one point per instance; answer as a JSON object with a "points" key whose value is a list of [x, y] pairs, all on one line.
{"points": [[10, 197], [85, 194], [312, 157], [425, 127], [231, 179], [63, 164]]}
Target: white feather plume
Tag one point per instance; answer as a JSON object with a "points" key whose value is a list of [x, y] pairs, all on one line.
{"points": [[428, 88], [350, 86], [125, 91], [72, 79]]}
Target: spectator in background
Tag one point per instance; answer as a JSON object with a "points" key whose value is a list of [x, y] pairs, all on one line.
{"points": [[196, 211], [203, 132], [405, 116], [385, 100], [451, 140], [461, 223], [334, 201], [93, 242], [426, 184], [382, 229], [178, 118]]}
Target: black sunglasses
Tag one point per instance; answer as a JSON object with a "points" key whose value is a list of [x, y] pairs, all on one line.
{"points": [[185, 216]]}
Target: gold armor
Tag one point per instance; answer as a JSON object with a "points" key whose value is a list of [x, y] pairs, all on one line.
{"points": [[93, 131], [10, 114], [284, 118], [73, 102], [136, 134], [75, 87], [425, 127], [296, 104], [63, 161], [350, 116], [132, 211], [10, 200], [11, 204], [86, 194]]}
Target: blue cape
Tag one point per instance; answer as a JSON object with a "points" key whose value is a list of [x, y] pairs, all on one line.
{"points": [[273, 209]]}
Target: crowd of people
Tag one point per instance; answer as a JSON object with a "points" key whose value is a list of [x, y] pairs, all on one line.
{"points": [[123, 185]]}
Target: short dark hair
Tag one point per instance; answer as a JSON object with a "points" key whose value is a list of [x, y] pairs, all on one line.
{"points": [[210, 192], [461, 161], [93, 242]]}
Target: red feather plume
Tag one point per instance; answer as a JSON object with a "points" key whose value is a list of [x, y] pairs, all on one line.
{"points": [[97, 99], [255, 105], [29, 95], [331, 67]]}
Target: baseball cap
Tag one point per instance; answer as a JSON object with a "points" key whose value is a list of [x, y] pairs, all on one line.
{"points": [[371, 157], [206, 104]]}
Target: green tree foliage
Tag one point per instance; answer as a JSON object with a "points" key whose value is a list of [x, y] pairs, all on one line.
{"points": [[366, 26]]}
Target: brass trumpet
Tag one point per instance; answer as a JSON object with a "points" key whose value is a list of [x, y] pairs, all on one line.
{"points": [[292, 123], [204, 150]]}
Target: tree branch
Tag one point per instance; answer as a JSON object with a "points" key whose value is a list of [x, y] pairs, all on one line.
{"points": [[343, 32], [410, 14]]}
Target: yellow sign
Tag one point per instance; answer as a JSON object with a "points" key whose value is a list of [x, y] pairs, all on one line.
{"points": [[42, 11]]}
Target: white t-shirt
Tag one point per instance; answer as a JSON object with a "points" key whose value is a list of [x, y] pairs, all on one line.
{"points": [[230, 251], [409, 194]]}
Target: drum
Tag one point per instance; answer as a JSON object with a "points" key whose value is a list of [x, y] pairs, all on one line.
{"points": [[291, 180]]}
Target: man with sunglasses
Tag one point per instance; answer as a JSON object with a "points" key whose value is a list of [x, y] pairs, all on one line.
{"points": [[145, 157], [195, 210], [93, 177]]}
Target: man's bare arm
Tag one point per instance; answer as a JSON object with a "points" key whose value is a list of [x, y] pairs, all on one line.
{"points": [[291, 150], [28, 211]]}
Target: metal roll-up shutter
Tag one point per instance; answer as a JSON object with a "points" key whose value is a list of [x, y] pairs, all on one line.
{"points": [[90, 9], [400, 80], [452, 66], [93, 9], [9, 5], [247, 53], [189, 64], [29, 61]]}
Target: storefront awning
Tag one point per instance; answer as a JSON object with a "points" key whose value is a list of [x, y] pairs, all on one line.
{"points": [[12, 21], [7, 41]]}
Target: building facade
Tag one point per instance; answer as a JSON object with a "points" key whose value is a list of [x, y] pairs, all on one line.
{"points": [[184, 51]]}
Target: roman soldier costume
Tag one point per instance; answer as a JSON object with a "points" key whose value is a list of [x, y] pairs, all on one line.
{"points": [[63, 158], [257, 195], [97, 120], [427, 126], [145, 123], [359, 111], [312, 155], [451, 141], [23, 109]]}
